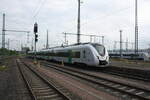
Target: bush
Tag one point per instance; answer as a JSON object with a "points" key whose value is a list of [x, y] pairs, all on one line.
{"points": [[7, 52]]}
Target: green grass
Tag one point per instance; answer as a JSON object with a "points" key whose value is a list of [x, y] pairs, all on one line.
{"points": [[3, 67], [119, 59]]}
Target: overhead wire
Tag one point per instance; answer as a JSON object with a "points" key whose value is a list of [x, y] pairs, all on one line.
{"points": [[105, 16], [39, 8]]}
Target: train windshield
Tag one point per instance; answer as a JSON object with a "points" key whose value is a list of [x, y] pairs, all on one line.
{"points": [[100, 49]]}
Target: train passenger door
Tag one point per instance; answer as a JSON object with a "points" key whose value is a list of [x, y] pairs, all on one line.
{"points": [[70, 56], [84, 56]]}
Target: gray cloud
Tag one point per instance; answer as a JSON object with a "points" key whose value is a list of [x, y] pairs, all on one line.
{"points": [[105, 17]]}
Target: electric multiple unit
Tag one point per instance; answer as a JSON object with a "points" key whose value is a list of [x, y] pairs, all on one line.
{"points": [[91, 54]]}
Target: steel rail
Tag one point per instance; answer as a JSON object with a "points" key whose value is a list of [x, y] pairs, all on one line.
{"points": [[26, 82], [128, 73], [96, 80], [47, 82]]}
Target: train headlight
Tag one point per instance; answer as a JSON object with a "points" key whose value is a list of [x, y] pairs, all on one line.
{"points": [[98, 57], [107, 58]]}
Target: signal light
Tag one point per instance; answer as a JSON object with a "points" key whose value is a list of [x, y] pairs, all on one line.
{"points": [[36, 37], [35, 28]]}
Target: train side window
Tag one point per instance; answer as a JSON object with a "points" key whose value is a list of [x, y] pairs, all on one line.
{"points": [[84, 54], [77, 55]]}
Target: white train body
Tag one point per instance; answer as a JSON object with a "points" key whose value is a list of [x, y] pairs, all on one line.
{"points": [[91, 54]]}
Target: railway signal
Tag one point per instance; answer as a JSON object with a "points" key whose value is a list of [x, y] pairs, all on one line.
{"points": [[35, 28], [36, 31], [36, 39]]}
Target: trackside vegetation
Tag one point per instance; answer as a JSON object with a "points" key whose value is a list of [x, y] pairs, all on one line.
{"points": [[6, 52]]}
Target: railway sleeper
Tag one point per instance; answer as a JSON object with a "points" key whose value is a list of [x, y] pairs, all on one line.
{"points": [[41, 91], [44, 93], [40, 88], [48, 97], [128, 90]]}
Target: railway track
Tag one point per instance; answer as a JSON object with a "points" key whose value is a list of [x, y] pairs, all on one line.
{"points": [[40, 88], [125, 91], [137, 74]]}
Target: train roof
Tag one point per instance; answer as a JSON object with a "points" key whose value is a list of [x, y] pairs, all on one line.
{"points": [[73, 45], [80, 44]]}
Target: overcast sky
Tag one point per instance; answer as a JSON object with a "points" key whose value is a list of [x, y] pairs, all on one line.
{"points": [[98, 17]]}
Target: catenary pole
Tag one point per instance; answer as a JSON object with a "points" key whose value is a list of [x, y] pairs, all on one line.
{"points": [[78, 26], [120, 43], [47, 45], [136, 27], [3, 32]]}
